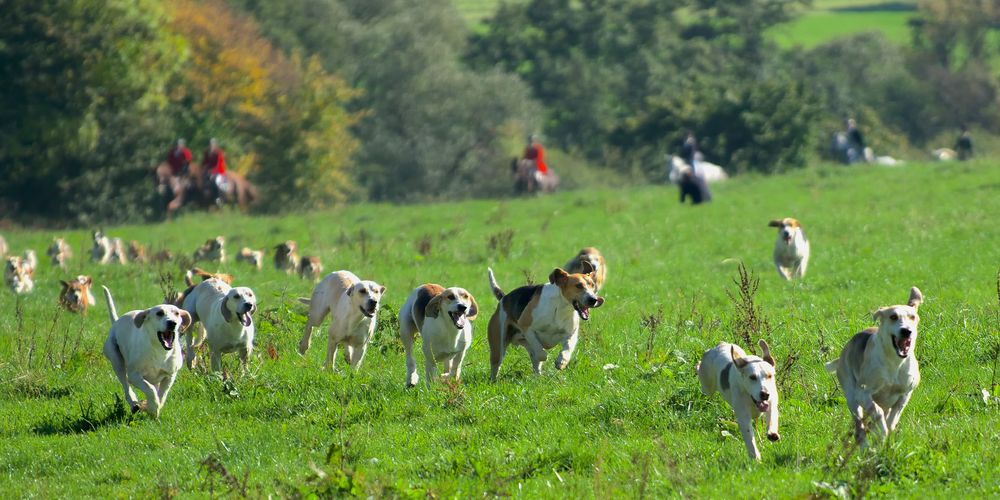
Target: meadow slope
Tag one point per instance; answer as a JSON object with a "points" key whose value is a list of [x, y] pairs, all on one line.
{"points": [[641, 428]]}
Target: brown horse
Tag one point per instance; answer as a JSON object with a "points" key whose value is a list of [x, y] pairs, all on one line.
{"points": [[528, 180], [195, 187]]}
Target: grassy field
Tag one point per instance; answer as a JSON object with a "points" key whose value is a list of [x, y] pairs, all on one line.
{"points": [[823, 21], [641, 428]]}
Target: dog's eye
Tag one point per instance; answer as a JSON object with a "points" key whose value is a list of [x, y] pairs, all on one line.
{"points": [[159, 314], [364, 291], [580, 286], [451, 297], [894, 317], [753, 377]]}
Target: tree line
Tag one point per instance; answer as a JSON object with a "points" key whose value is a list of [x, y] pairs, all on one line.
{"points": [[325, 101]]}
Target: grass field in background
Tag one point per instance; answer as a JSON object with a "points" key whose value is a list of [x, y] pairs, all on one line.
{"points": [[823, 21], [640, 428]]}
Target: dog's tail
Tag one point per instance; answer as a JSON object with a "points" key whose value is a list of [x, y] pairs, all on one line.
{"points": [[112, 311], [305, 301], [497, 291], [832, 366]]}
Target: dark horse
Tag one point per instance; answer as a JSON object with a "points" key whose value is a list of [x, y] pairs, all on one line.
{"points": [[195, 187], [528, 180]]}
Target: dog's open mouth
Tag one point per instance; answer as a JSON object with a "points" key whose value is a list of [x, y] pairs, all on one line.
{"points": [[762, 405], [582, 310], [166, 339], [244, 318], [458, 318], [366, 312], [903, 346]]}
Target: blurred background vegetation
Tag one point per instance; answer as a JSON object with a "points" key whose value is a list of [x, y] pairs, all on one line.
{"points": [[322, 102]]}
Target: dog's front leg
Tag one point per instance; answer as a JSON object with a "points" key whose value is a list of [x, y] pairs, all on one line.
{"points": [[430, 366], [332, 343], [152, 396], [771, 415], [456, 364], [164, 388], [569, 345], [897, 411], [745, 422], [407, 336], [357, 354], [216, 356], [535, 351], [783, 272], [874, 411], [118, 364]]}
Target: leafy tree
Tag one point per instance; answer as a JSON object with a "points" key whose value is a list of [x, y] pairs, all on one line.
{"points": [[83, 99]]}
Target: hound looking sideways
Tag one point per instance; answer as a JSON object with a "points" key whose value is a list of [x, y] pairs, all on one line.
{"points": [[747, 383], [285, 257], [596, 260], [791, 250], [539, 317], [225, 317], [877, 368], [143, 351], [253, 257], [352, 304], [443, 317]]}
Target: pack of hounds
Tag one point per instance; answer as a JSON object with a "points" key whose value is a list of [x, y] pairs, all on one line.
{"points": [[876, 368]]}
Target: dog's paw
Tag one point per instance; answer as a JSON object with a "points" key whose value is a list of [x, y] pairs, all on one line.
{"points": [[561, 364], [773, 436], [139, 405], [303, 347]]}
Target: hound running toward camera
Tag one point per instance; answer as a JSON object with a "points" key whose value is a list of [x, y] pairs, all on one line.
{"points": [[143, 351], [878, 370], [592, 256], [225, 318], [76, 295], [310, 268], [60, 253], [19, 273], [791, 249], [540, 317], [214, 250], [352, 304], [443, 318], [747, 383], [285, 257]]}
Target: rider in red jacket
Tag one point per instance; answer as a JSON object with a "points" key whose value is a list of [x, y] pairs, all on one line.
{"points": [[179, 157], [534, 151], [214, 161]]}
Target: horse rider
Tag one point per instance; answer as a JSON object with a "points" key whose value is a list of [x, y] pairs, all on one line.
{"points": [[214, 164], [179, 158], [963, 145], [689, 151], [534, 152]]}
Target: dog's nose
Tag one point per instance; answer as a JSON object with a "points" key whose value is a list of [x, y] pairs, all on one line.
{"points": [[905, 332], [462, 308], [764, 396], [591, 301], [171, 325]]}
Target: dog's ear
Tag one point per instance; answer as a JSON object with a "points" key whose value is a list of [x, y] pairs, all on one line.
{"points": [[916, 298], [587, 267], [350, 290], [877, 315], [474, 310], [558, 276], [433, 308], [226, 314], [766, 353], [64, 285], [738, 360], [185, 320], [89, 281], [381, 290], [139, 319], [775, 223]]}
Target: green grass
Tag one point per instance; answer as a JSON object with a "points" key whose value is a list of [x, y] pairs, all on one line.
{"points": [[823, 21], [640, 429]]}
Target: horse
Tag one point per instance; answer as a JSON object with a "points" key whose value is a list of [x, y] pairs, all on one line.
{"points": [[194, 187], [527, 178], [708, 171]]}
